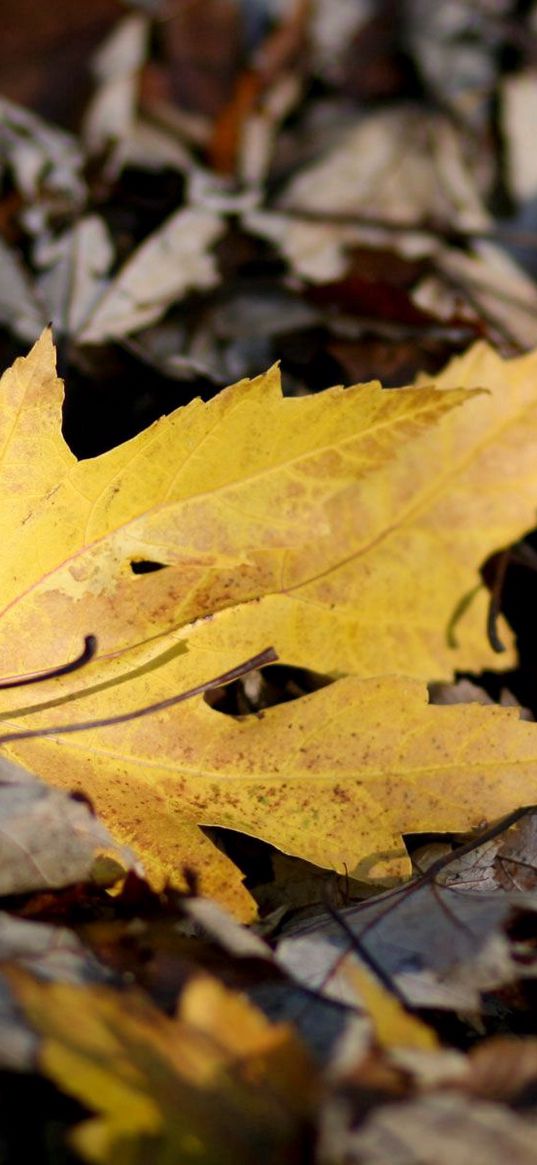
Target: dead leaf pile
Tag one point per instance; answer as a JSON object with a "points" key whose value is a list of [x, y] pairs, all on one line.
{"points": [[256, 157]]}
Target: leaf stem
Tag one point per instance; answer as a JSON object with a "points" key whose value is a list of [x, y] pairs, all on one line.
{"points": [[264, 657], [37, 677]]}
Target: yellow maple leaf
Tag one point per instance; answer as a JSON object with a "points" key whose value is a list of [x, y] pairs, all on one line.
{"points": [[225, 495], [218, 1083], [345, 529]]}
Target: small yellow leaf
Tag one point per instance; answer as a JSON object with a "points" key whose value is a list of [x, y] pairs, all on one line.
{"points": [[216, 1085], [393, 1026]]}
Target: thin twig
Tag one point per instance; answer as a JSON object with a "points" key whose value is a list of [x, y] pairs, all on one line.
{"points": [[441, 863], [264, 657]]}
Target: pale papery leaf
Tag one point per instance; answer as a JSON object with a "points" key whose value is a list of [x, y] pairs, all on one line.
{"points": [[175, 259], [439, 1129], [49, 839]]}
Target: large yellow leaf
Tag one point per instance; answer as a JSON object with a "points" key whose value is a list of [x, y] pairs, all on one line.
{"points": [[224, 495], [382, 591], [345, 529], [218, 1084]]}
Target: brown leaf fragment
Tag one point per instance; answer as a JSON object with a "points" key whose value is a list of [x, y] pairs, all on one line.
{"points": [[201, 46], [463, 692], [503, 1068]]}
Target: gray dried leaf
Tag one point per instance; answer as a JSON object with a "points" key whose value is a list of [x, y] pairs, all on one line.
{"points": [[403, 166], [441, 947], [519, 114], [111, 114], [19, 307], [222, 928], [74, 269], [463, 692], [51, 953], [317, 963], [507, 863], [466, 692], [455, 47], [499, 290], [50, 839], [46, 164], [173, 260], [154, 147], [441, 1130], [333, 25]]}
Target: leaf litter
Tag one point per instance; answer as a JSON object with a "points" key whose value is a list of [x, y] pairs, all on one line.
{"points": [[358, 559]]}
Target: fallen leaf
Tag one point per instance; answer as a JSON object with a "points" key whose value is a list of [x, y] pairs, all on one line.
{"points": [[314, 462], [518, 111], [456, 54], [365, 187], [49, 839], [46, 164], [336, 971], [441, 946], [462, 692], [216, 1084], [368, 174], [224, 930], [174, 259], [333, 26], [19, 308], [508, 862], [431, 512], [116, 67], [53, 954], [74, 266], [441, 1129], [499, 290], [337, 776], [160, 956], [502, 1068]]}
